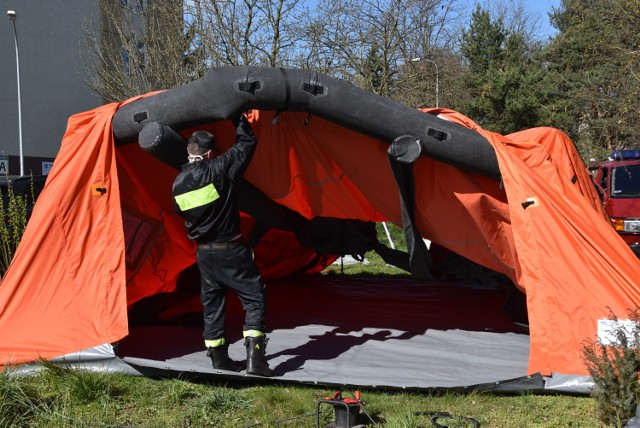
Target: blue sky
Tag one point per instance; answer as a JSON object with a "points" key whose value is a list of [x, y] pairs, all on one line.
{"points": [[542, 7]]}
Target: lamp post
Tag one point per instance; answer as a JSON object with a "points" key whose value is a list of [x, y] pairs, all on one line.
{"points": [[12, 17], [420, 59]]}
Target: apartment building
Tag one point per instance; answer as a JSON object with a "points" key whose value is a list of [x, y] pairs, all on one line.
{"points": [[49, 72]]}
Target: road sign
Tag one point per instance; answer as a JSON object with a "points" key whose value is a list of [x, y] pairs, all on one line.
{"points": [[4, 165], [46, 167]]}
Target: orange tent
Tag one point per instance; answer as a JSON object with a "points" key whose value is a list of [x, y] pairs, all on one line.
{"points": [[103, 234]]}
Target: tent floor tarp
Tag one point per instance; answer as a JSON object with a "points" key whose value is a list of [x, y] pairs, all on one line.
{"points": [[425, 335]]}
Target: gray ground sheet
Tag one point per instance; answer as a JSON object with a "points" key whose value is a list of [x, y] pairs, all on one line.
{"points": [[366, 332]]}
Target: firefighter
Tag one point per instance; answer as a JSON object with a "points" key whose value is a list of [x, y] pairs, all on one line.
{"points": [[205, 195]]}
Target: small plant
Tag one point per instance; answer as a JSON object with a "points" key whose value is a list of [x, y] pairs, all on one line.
{"points": [[180, 392], [614, 368], [14, 211]]}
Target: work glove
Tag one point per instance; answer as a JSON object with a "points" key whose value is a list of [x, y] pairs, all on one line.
{"points": [[236, 120], [242, 125]]}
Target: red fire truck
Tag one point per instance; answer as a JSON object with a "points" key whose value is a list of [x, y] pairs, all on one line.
{"points": [[618, 182]]}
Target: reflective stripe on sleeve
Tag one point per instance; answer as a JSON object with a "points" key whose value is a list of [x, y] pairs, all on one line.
{"points": [[197, 198]]}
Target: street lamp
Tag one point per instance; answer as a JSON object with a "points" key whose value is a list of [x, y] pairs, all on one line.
{"points": [[420, 59], [12, 17]]}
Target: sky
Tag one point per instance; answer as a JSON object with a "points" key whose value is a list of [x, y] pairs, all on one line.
{"points": [[543, 7], [540, 8]]}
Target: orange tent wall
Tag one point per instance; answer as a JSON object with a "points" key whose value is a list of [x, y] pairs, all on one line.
{"points": [[145, 185], [67, 287], [574, 267], [571, 263]]}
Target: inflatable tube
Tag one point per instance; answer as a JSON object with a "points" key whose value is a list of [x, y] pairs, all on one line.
{"points": [[164, 144], [227, 91]]}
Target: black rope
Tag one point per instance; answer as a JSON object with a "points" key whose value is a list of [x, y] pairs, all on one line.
{"points": [[436, 416]]}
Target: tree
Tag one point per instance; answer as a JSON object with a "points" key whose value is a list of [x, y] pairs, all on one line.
{"points": [[482, 44], [596, 53], [358, 40], [136, 47], [515, 18], [503, 78], [371, 43], [431, 56], [132, 50], [248, 32], [416, 82]]}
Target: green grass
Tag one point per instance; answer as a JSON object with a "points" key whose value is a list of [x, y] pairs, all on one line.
{"points": [[76, 398], [376, 267]]}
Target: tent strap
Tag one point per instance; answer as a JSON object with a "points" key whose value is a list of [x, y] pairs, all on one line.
{"points": [[419, 258]]}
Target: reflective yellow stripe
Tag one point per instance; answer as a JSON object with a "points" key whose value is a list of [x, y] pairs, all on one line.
{"points": [[252, 333], [197, 198], [214, 343]]}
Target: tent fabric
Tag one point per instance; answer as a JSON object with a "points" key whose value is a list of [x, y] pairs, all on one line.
{"points": [[170, 252], [87, 254], [574, 267], [65, 288], [570, 261]]}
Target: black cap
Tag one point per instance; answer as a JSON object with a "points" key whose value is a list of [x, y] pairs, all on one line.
{"points": [[203, 139]]}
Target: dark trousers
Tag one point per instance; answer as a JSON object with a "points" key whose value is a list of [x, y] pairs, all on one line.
{"points": [[230, 268]]}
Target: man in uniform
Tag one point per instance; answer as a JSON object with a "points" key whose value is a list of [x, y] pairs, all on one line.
{"points": [[205, 194]]}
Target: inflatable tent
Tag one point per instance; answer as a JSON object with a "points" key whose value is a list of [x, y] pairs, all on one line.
{"points": [[332, 161]]}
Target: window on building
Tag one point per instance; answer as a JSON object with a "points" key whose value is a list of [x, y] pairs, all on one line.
{"points": [[142, 52], [125, 60], [136, 5]]}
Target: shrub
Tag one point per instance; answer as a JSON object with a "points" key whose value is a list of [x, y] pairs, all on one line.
{"points": [[614, 368], [14, 209]]}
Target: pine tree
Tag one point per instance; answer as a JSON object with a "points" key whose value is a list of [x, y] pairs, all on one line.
{"points": [[503, 79], [596, 53]]}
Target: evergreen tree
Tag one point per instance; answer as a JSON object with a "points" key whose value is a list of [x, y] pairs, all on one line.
{"points": [[373, 75], [503, 79], [596, 53], [482, 43]]}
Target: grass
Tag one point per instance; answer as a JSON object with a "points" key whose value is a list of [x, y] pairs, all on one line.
{"points": [[62, 397], [375, 266]]}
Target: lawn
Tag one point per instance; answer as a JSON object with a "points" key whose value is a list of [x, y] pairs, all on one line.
{"points": [[63, 397]]}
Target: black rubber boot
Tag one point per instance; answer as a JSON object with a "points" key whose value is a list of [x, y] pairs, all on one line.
{"points": [[220, 359], [256, 361]]}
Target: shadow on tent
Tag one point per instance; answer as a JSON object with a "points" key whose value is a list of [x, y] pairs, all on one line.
{"points": [[328, 330]]}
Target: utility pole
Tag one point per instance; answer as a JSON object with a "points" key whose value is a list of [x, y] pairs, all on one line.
{"points": [[12, 17]]}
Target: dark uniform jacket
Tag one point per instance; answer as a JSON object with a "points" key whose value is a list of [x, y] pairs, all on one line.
{"points": [[205, 191]]}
